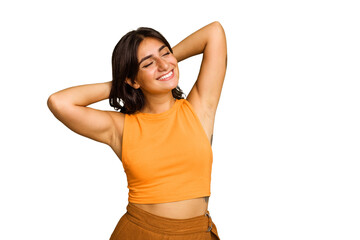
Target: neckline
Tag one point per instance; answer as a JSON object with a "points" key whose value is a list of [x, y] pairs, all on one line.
{"points": [[160, 115]]}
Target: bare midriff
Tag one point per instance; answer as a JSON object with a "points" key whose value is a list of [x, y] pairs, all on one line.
{"points": [[177, 210]]}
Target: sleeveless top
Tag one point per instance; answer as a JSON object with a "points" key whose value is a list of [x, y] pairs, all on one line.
{"points": [[167, 157]]}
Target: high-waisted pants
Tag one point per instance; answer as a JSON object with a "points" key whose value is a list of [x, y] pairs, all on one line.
{"points": [[138, 224]]}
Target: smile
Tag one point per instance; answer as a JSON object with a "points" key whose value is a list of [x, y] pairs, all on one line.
{"points": [[167, 76]]}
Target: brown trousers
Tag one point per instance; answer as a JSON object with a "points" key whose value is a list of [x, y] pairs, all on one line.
{"points": [[137, 224]]}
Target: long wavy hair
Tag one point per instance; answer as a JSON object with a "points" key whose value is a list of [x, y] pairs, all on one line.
{"points": [[125, 64]]}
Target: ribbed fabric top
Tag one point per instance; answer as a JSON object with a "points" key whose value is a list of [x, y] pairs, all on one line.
{"points": [[167, 157]]}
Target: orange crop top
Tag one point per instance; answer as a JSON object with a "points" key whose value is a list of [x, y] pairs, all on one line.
{"points": [[167, 157]]}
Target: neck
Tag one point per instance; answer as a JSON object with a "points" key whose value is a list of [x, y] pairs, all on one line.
{"points": [[158, 104]]}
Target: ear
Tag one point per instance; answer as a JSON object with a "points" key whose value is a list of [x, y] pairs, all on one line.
{"points": [[134, 85]]}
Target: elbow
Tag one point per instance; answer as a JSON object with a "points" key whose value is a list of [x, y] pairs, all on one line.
{"points": [[217, 31], [57, 106], [217, 25], [219, 38], [53, 102]]}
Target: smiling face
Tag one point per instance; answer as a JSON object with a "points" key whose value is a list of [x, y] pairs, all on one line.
{"points": [[158, 69]]}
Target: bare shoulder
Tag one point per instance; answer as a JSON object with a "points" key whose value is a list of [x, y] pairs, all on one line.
{"points": [[116, 142]]}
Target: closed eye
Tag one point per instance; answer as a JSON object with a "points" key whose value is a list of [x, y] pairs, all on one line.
{"points": [[147, 65]]}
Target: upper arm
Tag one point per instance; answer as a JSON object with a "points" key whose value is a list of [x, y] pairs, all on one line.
{"points": [[208, 86], [88, 122]]}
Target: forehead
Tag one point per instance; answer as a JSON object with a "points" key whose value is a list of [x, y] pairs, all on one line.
{"points": [[149, 46]]}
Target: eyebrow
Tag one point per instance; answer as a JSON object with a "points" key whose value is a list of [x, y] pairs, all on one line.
{"points": [[149, 56]]}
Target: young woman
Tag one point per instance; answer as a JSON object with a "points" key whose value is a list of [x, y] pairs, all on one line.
{"points": [[162, 139]]}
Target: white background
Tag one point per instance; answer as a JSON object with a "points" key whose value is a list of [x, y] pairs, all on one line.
{"points": [[286, 138]]}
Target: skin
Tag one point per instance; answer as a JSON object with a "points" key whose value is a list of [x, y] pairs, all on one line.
{"points": [[158, 96], [70, 105]]}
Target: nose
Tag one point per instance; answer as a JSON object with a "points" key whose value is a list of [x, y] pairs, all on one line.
{"points": [[162, 64]]}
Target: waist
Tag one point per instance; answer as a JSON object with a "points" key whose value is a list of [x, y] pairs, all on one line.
{"points": [[177, 210]]}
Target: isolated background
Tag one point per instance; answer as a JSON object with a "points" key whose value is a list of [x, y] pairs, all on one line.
{"points": [[286, 138]]}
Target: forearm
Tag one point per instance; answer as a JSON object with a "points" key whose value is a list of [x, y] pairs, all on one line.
{"points": [[82, 95], [196, 42]]}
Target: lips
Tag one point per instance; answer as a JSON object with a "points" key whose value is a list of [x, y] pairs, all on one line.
{"points": [[166, 76]]}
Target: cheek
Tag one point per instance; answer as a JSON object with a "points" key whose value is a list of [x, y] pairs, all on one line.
{"points": [[173, 60], [145, 73], [177, 70], [145, 77]]}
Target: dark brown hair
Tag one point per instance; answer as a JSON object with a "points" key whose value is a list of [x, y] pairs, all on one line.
{"points": [[125, 65]]}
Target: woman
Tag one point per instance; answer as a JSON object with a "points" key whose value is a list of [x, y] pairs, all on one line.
{"points": [[162, 139]]}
